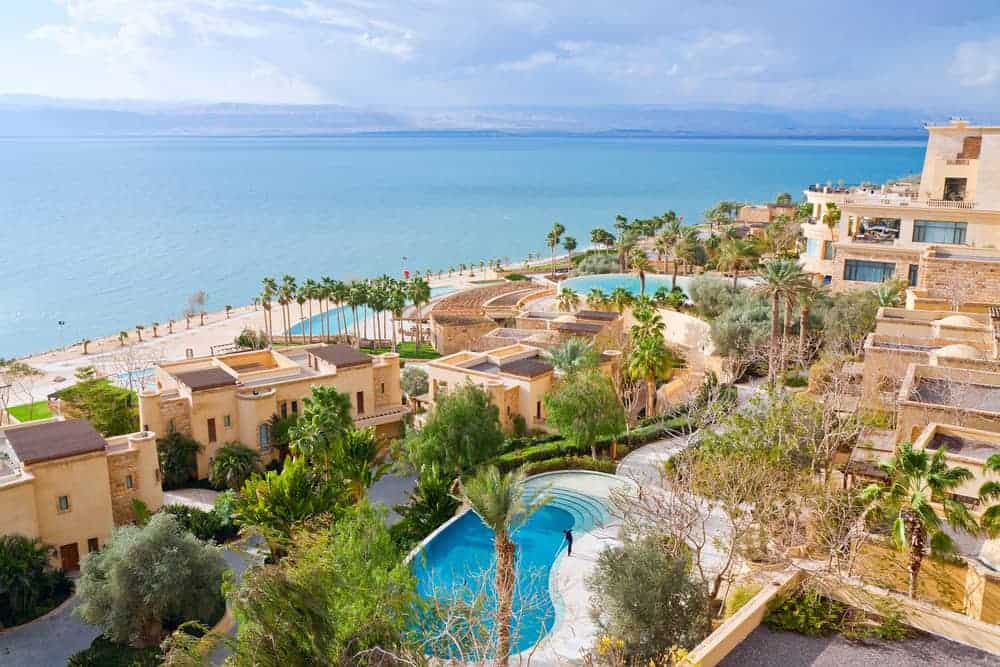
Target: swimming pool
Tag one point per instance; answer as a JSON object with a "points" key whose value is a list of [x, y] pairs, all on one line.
{"points": [[302, 326], [609, 282], [458, 561]]}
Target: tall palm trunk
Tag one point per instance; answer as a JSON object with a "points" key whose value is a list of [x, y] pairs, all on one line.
{"points": [[505, 597], [642, 283], [673, 278], [419, 324], [785, 330], [650, 397], [916, 547], [310, 320], [772, 362], [803, 322]]}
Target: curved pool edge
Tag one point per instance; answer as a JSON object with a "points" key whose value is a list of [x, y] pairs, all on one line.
{"points": [[559, 622]]}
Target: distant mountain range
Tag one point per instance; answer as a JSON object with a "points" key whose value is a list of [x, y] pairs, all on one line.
{"points": [[29, 116]]}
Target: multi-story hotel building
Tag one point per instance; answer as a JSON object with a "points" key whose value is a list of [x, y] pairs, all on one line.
{"points": [[61, 482], [232, 397], [906, 231]]}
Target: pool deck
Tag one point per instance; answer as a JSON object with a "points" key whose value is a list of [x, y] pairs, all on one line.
{"points": [[574, 631]]}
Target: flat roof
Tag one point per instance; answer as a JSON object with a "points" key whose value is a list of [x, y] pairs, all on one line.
{"points": [[54, 440], [340, 355], [602, 315], [206, 378], [979, 450], [578, 327], [966, 395], [527, 368]]}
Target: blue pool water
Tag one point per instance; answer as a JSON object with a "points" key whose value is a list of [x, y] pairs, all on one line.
{"points": [[459, 561], [609, 282], [303, 325]]}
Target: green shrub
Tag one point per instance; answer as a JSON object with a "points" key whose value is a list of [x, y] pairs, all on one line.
{"points": [[178, 459], [807, 612], [572, 463], [105, 653], [516, 276], [876, 418], [795, 380], [203, 525], [520, 426], [593, 264], [29, 585], [739, 596]]}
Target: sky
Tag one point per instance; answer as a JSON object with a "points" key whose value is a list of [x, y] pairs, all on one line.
{"points": [[444, 53]]}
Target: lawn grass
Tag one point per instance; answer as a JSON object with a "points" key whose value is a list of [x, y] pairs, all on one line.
{"points": [[38, 410], [407, 350]]}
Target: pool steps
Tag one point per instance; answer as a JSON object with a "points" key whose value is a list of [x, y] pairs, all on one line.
{"points": [[586, 511]]}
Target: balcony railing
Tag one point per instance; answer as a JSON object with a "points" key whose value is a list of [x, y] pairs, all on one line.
{"points": [[895, 201], [958, 162]]}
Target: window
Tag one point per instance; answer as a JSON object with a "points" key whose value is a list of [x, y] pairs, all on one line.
{"points": [[383, 388], [827, 280], [827, 250], [295, 407], [361, 402], [212, 435], [227, 421], [63, 503], [935, 231], [538, 410], [129, 482], [913, 274], [954, 189], [284, 409], [868, 272], [92, 545], [814, 247], [264, 437]]}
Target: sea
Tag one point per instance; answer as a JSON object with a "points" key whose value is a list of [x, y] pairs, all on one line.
{"points": [[102, 234]]}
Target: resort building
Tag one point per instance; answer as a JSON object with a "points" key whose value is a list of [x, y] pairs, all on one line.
{"points": [[458, 321], [232, 397], [546, 329], [923, 337], [906, 231], [61, 482], [517, 378]]}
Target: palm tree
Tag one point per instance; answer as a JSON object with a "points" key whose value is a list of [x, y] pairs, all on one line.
{"points": [[357, 297], [504, 503], [359, 462], [187, 320], [301, 297], [323, 427], [781, 279], [621, 299], [596, 298], [138, 331], [397, 303], [808, 294], [735, 255], [285, 297], [420, 293], [310, 290], [639, 263], [228, 310], [85, 342], [568, 300], [552, 240], [832, 218], [651, 360], [156, 329], [202, 316], [891, 293], [328, 291], [569, 244], [170, 326], [916, 480], [122, 337], [668, 242], [233, 464], [572, 355], [990, 490]]}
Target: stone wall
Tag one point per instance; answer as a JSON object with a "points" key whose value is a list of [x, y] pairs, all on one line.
{"points": [[176, 413], [960, 279], [450, 338], [120, 467]]}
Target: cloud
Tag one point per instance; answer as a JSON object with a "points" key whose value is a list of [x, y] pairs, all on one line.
{"points": [[977, 64], [273, 83], [397, 47], [529, 64]]}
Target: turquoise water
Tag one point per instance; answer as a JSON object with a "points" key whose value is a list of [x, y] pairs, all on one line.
{"points": [[612, 281], [105, 234], [459, 561], [302, 326]]}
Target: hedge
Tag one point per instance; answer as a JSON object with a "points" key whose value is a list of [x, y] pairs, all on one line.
{"points": [[572, 463], [558, 447]]}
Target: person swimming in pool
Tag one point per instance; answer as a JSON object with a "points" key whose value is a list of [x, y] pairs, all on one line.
{"points": [[569, 541]]}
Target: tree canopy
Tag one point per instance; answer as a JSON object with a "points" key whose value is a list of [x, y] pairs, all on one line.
{"points": [[585, 408]]}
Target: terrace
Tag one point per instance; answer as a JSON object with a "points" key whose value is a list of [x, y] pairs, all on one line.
{"points": [[939, 394]]}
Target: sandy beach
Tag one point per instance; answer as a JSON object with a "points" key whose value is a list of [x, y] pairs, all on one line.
{"points": [[110, 357]]}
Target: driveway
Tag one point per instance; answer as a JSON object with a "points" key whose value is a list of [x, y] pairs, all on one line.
{"points": [[49, 642]]}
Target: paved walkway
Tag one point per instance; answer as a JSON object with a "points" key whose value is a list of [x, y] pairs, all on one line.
{"points": [[202, 499], [767, 647], [52, 640]]}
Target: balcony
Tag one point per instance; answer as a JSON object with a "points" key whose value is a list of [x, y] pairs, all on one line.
{"points": [[907, 201]]}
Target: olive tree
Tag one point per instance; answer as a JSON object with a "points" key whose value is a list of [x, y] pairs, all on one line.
{"points": [[149, 580], [584, 407]]}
